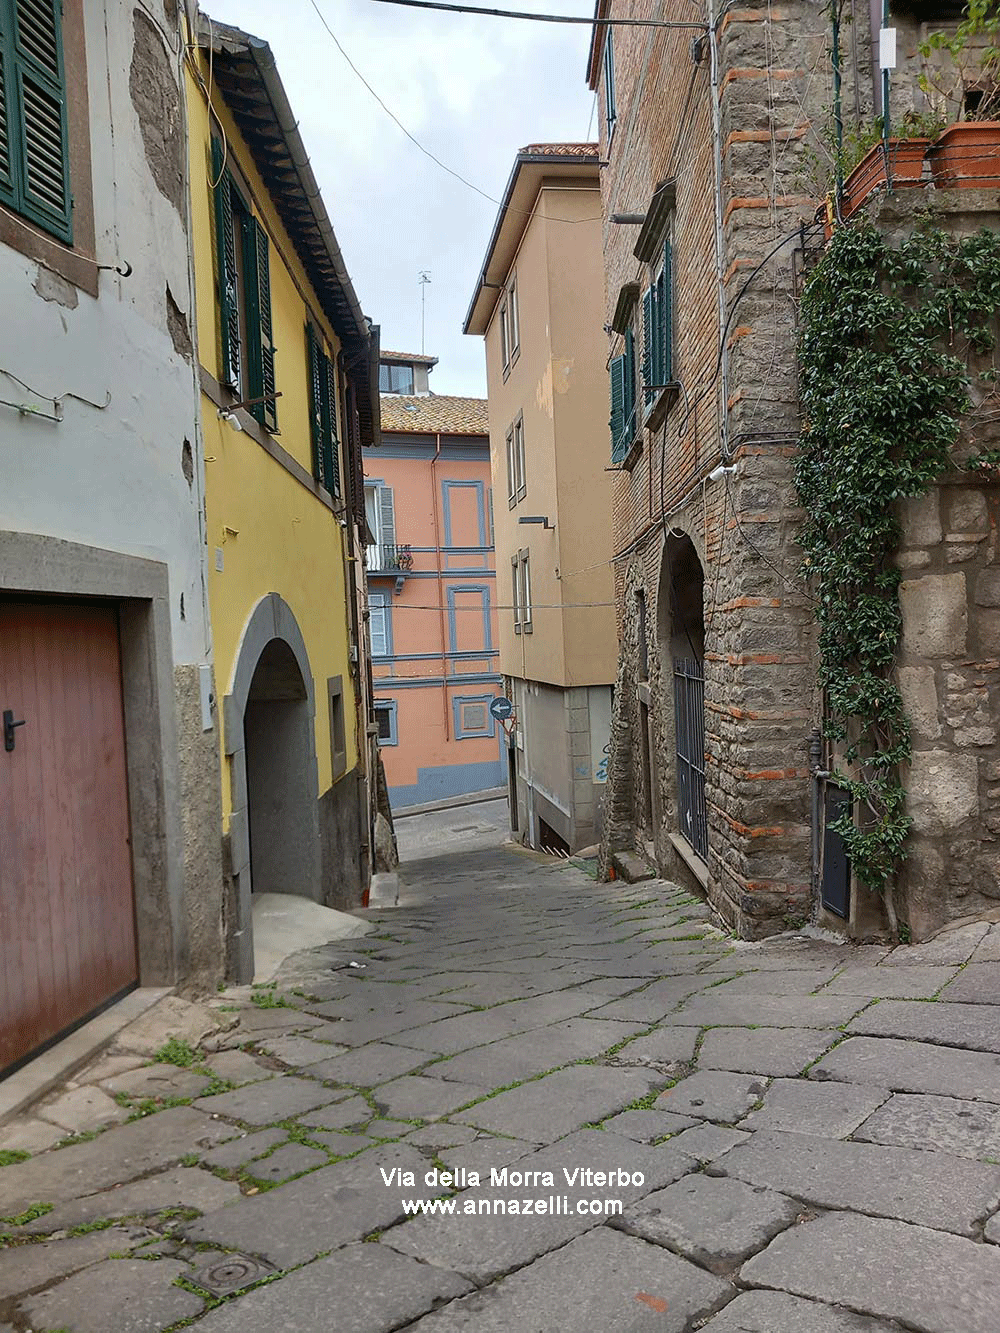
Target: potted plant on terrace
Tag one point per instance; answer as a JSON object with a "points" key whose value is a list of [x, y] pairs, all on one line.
{"points": [[961, 79], [867, 167]]}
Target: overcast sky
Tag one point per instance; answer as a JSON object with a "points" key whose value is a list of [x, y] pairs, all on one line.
{"points": [[471, 90]]}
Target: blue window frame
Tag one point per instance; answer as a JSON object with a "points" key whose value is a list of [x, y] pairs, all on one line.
{"points": [[446, 489], [386, 718], [380, 623], [472, 717], [484, 599]]}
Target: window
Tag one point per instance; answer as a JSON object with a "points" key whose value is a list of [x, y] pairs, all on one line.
{"points": [[472, 716], [513, 318], [520, 577], [386, 719], [504, 339], [516, 483], [244, 297], [380, 515], [34, 147], [657, 328], [610, 110], [323, 413], [338, 729], [395, 379], [623, 399], [380, 624], [640, 612], [469, 620]]}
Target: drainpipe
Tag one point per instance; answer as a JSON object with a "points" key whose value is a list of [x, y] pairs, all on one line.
{"points": [[720, 246], [440, 590]]}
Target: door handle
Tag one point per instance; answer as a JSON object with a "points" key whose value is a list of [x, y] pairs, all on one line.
{"points": [[9, 725]]}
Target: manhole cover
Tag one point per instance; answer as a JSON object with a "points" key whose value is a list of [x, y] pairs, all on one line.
{"points": [[233, 1273]]}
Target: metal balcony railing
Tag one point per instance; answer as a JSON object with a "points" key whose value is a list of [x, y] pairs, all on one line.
{"points": [[390, 559]]}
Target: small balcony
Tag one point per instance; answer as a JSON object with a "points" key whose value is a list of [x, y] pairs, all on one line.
{"points": [[388, 559]]}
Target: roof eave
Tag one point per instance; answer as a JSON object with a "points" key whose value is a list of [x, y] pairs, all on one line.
{"points": [[601, 8]]}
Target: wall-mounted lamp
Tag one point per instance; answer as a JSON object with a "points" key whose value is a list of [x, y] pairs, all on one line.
{"points": [[537, 518]]}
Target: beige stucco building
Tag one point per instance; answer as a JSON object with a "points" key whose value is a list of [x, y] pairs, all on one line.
{"points": [[538, 304]]}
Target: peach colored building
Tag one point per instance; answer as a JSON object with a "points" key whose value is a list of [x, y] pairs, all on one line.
{"points": [[538, 305], [432, 594]]}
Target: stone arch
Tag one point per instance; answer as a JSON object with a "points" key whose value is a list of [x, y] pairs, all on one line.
{"points": [[269, 715]]}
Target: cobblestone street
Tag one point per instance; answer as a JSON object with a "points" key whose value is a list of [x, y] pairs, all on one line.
{"points": [[810, 1132]]}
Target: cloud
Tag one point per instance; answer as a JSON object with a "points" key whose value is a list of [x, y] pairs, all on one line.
{"points": [[473, 91]]}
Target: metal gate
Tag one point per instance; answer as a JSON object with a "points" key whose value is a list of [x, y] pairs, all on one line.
{"points": [[689, 714], [836, 889], [67, 920]]}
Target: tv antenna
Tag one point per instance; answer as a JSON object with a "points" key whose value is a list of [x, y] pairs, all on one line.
{"points": [[424, 280]]}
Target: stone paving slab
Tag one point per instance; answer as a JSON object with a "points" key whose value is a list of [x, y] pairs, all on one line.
{"points": [[912, 1066], [332, 1207], [182, 1187], [666, 1046], [348, 1114], [793, 1011], [264, 1103], [714, 1221], [160, 1080], [528, 1053], [117, 1156], [950, 947], [777, 1312], [974, 1027], [291, 1160], [26, 1268], [899, 983], [484, 1247], [341, 1144], [368, 1066], [600, 1281], [256, 1022], [240, 1067], [932, 1282], [424, 1098], [779, 982], [366, 1288], [452, 1035], [832, 1110], [979, 983], [931, 1189], [709, 1095], [127, 1295], [486, 1153], [547, 1108], [387, 1129], [705, 1141], [81, 1110], [988, 949], [300, 1052], [26, 1134], [967, 1129], [243, 1149], [653, 1004], [647, 1126], [763, 1050]]}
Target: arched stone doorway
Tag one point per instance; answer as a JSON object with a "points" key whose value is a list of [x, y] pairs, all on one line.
{"points": [[270, 742], [681, 632]]}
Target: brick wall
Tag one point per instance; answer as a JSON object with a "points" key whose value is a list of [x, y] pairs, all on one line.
{"points": [[774, 91]]}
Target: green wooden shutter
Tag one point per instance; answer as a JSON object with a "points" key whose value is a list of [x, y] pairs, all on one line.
{"points": [[665, 312], [386, 516], [6, 102], [333, 444], [225, 244], [617, 423], [647, 341], [628, 397], [34, 115], [315, 403], [267, 411]]}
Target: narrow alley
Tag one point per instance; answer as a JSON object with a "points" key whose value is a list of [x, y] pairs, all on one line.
{"points": [[791, 1138]]}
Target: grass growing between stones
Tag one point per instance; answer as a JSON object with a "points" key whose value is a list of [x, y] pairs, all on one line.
{"points": [[176, 1051], [11, 1156]]}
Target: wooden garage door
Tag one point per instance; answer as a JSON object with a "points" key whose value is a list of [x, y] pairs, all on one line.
{"points": [[67, 920]]}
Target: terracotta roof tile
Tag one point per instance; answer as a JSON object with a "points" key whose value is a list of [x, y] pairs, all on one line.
{"points": [[561, 149], [431, 413], [418, 358]]}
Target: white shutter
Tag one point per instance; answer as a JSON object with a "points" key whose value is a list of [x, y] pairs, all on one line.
{"points": [[386, 517], [378, 623]]}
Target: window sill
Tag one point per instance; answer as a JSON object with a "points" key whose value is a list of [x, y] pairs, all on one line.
{"points": [[633, 454], [528, 629], [661, 405]]}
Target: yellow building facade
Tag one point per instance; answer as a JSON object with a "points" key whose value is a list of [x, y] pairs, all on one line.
{"points": [[288, 367]]}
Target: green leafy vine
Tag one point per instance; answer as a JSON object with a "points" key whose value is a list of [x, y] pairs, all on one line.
{"points": [[888, 333]]}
